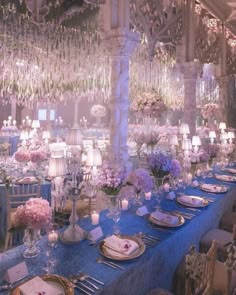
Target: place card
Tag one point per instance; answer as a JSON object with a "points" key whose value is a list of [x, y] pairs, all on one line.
{"points": [[95, 234], [38, 286], [16, 273], [142, 211], [195, 183], [171, 196]]}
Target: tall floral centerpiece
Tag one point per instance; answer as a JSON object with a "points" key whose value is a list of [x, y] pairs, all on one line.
{"points": [[37, 157], [35, 215], [110, 179], [98, 112], [141, 180], [162, 164], [149, 104], [22, 156], [210, 112]]}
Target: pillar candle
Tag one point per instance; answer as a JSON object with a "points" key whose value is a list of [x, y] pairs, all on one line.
{"points": [[148, 196], [166, 187], [95, 218]]}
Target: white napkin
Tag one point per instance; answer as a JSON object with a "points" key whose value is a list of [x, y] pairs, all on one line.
{"points": [[190, 200], [165, 218], [38, 286], [116, 246]]}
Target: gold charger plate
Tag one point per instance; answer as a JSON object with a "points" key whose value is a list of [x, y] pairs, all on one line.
{"points": [[62, 282], [134, 255], [191, 204], [224, 189], [224, 177], [166, 224], [230, 170]]}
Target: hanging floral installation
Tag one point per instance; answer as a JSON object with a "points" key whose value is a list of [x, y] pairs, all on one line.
{"points": [[50, 65]]}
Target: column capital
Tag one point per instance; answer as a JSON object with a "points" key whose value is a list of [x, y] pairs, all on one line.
{"points": [[191, 70], [120, 41]]}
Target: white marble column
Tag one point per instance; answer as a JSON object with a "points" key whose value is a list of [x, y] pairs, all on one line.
{"points": [[120, 42], [190, 71]]}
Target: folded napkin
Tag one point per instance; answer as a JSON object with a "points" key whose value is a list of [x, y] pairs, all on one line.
{"points": [[116, 246], [165, 218], [192, 200], [38, 286], [27, 179]]}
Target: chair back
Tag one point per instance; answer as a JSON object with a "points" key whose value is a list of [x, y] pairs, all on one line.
{"points": [[200, 271], [19, 194], [4, 151]]}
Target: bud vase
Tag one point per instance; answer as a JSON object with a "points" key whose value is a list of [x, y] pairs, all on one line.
{"points": [[111, 203], [30, 239]]}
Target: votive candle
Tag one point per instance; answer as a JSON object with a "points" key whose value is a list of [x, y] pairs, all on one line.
{"points": [[52, 236], [166, 187], [124, 204], [148, 196]]}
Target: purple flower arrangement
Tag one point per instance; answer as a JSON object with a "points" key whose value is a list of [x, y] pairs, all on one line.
{"points": [[141, 180], [162, 164], [110, 179]]}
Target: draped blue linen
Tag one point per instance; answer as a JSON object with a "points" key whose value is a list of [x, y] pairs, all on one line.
{"points": [[155, 268]]}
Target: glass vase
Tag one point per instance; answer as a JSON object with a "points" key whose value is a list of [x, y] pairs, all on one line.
{"points": [[137, 200], [30, 239], [111, 204]]}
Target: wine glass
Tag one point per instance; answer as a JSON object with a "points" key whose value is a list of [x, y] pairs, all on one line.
{"points": [[52, 240]]}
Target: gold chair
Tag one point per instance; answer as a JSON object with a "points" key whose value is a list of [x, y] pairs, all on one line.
{"points": [[16, 195], [4, 151]]}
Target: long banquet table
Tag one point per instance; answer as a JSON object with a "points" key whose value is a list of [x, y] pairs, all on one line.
{"points": [[155, 268]]}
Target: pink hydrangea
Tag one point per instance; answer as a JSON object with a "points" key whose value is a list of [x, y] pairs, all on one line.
{"points": [[37, 156], [36, 213], [22, 156]]}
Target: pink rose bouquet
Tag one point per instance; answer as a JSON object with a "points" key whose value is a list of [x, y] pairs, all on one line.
{"points": [[22, 156], [38, 156], [36, 213]]}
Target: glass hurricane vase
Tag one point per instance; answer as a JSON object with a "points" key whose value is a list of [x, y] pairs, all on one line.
{"points": [[30, 239]]}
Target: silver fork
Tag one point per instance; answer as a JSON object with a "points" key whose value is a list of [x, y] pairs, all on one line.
{"points": [[109, 263]]}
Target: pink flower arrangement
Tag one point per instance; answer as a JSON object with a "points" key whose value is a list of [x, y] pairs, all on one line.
{"points": [[210, 110], [141, 180], [22, 156], [98, 111], [149, 104], [38, 156], [36, 213]]}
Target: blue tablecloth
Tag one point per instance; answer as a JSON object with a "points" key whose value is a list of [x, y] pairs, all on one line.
{"points": [[155, 268], [45, 193]]}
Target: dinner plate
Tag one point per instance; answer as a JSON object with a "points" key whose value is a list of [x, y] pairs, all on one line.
{"points": [[166, 224], [141, 249], [192, 201], [230, 170], [229, 178], [54, 280], [214, 188]]}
